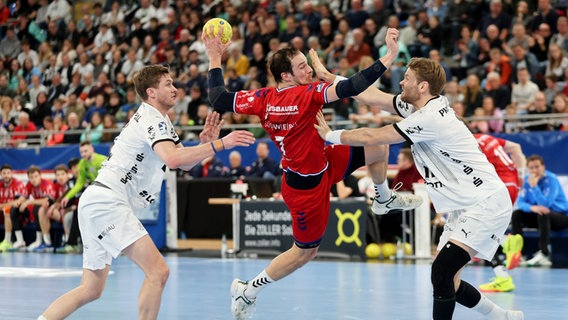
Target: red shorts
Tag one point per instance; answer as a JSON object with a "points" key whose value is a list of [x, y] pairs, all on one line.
{"points": [[310, 208]]}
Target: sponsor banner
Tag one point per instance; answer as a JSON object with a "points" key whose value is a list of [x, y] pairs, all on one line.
{"points": [[267, 226]]}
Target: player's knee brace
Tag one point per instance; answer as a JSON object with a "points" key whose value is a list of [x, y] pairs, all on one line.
{"points": [[448, 262]]}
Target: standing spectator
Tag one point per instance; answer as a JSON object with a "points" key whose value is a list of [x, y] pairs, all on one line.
{"points": [[542, 204], [12, 195]]}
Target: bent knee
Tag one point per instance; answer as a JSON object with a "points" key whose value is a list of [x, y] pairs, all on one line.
{"points": [[160, 274]]}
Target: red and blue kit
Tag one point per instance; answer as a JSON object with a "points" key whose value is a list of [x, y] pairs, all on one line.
{"points": [[12, 190], [44, 190], [310, 168], [492, 147]]}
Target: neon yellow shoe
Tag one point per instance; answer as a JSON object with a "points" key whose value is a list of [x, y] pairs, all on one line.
{"points": [[498, 284], [5, 246], [512, 249]]}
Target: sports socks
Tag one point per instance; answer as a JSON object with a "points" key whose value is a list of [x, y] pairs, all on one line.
{"points": [[382, 191], [41, 318], [490, 309], [501, 271], [8, 237], [47, 239], [257, 284], [19, 236]]}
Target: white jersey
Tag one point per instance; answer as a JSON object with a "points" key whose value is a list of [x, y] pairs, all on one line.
{"points": [[133, 169], [456, 172]]}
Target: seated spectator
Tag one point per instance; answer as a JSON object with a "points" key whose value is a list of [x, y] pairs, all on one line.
{"points": [[99, 106], [479, 125], [560, 106], [346, 188], [109, 124], [489, 109], [208, 168], [94, 130], [130, 104], [26, 128], [473, 95], [263, 166], [58, 133], [542, 205], [500, 63], [236, 170], [523, 92], [552, 88], [538, 108], [557, 62]]}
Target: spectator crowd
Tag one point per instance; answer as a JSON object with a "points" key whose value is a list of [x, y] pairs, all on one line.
{"points": [[66, 70]]}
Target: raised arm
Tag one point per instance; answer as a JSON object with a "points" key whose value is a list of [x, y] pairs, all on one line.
{"points": [[372, 96], [219, 97], [360, 81]]}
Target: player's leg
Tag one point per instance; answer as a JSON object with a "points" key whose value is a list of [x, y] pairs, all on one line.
{"points": [[376, 159], [39, 245], [15, 217], [90, 289], [6, 244], [145, 254], [45, 227]]}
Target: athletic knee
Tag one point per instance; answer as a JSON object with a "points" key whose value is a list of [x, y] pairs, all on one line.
{"points": [[160, 274], [442, 280], [92, 293]]}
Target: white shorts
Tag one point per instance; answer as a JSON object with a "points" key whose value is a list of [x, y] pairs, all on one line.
{"points": [[108, 225], [480, 227]]}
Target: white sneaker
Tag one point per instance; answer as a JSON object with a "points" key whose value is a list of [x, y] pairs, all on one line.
{"points": [[396, 201], [33, 246], [18, 246], [539, 260], [241, 306], [515, 315]]}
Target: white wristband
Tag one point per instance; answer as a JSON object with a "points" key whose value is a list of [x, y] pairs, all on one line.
{"points": [[334, 136]]}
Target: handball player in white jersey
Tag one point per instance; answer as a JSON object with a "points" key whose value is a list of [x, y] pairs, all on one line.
{"points": [[458, 176], [129, 180]]}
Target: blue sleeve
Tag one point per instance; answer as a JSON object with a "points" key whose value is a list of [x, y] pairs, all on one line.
{"points": [[523, 201]]}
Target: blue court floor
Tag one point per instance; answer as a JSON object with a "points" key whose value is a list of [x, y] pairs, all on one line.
{"points": [[198, 288]]}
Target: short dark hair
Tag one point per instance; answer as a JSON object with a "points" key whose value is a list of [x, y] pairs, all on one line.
{"points": [[73, 162], [84, 143], [535, 157], [33, 169], [149, 77], [281, 61], [6, 166], [61, 167]]}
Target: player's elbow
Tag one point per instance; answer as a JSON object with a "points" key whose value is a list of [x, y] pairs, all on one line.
{"points": [[173, 161]]}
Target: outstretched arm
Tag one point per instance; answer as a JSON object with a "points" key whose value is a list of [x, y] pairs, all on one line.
{"points": [[372, 96], [360, 81], [358, 137]]}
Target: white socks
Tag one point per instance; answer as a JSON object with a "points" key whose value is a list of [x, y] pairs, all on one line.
{"points": [[382, 191], [500, 271], [257, 284], [41, 318], [490, 309], [47, 238], [8, 237], [19, 236]]}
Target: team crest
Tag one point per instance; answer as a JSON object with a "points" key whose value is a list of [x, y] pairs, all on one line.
{"points": [[162, 128]]}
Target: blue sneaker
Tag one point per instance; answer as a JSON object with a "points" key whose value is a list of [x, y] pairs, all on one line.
{"points": [[44, 248]]}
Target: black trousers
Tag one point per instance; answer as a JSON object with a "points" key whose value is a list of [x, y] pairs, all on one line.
{"points": [[21, 218], [545, 223], [74, 232]]}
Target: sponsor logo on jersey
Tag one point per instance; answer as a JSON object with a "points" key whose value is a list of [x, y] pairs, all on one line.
{"points": [[128, 176], [136, 117], [281, 126], [281, 110], [163, 128], [444, 111], [415, 129], [151, 133], [146, 196], [319, 87]]}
